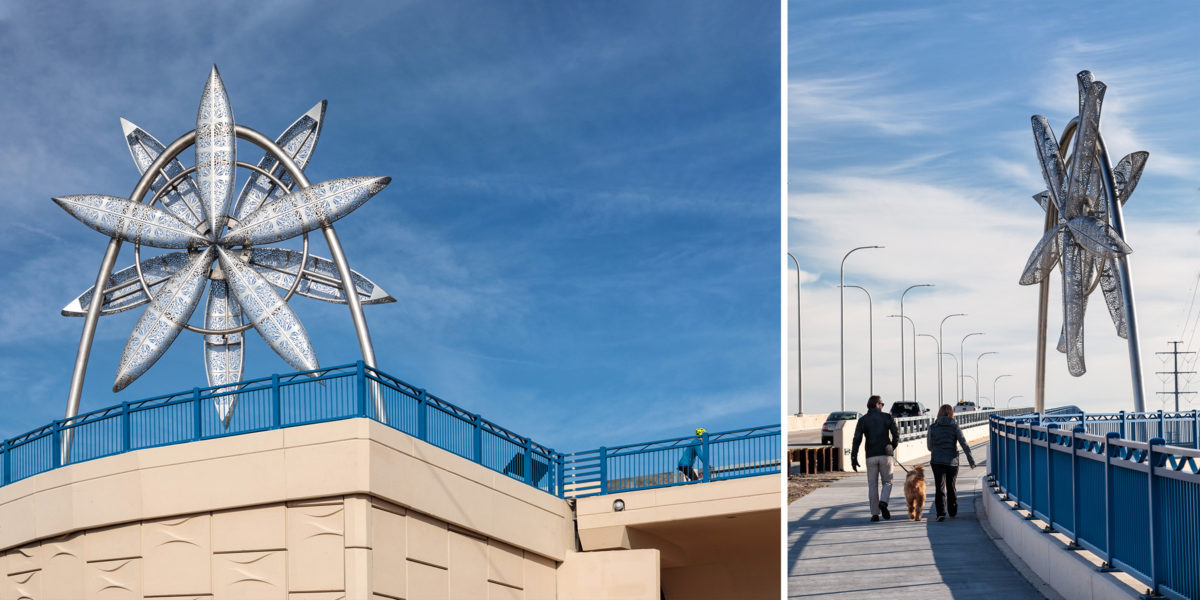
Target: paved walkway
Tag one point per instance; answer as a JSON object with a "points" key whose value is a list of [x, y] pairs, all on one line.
{"points": [[835, 550]]}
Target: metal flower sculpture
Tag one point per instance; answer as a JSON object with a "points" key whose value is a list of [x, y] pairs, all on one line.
{"points": [[219, 241], [1084, 230]]}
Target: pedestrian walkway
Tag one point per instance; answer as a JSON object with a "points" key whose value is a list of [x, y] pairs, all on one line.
{"points": [[834, 550]]}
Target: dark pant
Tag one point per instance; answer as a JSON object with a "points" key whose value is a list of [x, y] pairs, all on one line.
{"points": [[689, 472], [944, 477]]}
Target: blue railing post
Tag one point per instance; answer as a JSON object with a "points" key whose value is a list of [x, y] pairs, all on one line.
{"points": [[1109, 515], [276, 402], [198, 431], [1050, 431], [55, 444], [1075, 484], [7, 475], [1123, 423], [562, 489], [126, 441], [1151, 488], [360, 374], [1195, 428], [1161, 421], [422, 416], [704, 458], [478, 438], [528, 461], [603, 470]]}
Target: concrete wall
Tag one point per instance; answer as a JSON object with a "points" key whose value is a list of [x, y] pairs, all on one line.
{"points": [[1074, 574], [911, 450], [804, 421], [714, 541], [348, 509]]}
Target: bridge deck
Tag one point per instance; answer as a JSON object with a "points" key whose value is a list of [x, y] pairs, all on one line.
{"points": [[835, 550]]}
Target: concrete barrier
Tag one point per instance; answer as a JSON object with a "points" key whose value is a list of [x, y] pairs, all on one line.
{"points": [[1073, 573], [843, 440], [812, 421]]}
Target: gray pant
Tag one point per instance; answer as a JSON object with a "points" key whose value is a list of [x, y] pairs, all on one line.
{"points": [[879, 467]]}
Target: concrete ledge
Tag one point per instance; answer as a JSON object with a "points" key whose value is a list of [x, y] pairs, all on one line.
{"points": [[1074, 574]]}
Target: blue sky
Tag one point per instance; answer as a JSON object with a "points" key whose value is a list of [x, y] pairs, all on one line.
{"points": [[582, 229], [910, 127]]}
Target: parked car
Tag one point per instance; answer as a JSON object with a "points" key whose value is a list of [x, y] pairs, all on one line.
{"points": [[831, 423], [965, 406], [908, 409]]}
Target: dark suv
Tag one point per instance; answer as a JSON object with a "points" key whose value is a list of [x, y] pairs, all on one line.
{"points": [[908, 409], [831, 423]]}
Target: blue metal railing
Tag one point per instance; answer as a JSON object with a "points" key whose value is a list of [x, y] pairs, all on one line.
{"points": [[346, 392], [719, 456], [1131, 502]]}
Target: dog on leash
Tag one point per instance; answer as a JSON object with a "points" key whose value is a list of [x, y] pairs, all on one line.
{"points": [[914, 492]]}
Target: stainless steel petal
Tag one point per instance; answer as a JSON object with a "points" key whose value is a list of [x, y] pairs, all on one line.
{"points": [[216, 151], [131, 221], [1053, 171], [320, 280], [1083, 157], [1114, 298], [1084, 80], [1042, 198], [1128, 173], [1043, 258], [223, 354], [267, 311], [1075, 282], [1097, 237], [298, 141], [183, 200], [163, 320], [304, 210], [124, 291]]}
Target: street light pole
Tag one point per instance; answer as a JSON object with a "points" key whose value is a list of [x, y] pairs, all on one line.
{"points": [[940, 378], [799, 354], [842, 320], [964, 385], [977, 376], [939, 359], [962, 366], [914, 329], [998, 378], [1010, 399], [951, 355], [902, 294], [870, 336]]}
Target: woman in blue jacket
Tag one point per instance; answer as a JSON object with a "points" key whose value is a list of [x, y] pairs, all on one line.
{"points": [[944, 434]]}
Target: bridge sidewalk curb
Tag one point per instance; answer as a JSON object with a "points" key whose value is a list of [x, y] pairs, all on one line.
{"points": [[1038, 584]]}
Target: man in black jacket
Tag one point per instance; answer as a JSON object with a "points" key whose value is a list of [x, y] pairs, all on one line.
{"points": [[882, 439]]}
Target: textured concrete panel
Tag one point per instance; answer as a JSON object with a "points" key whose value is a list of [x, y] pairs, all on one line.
{"points": [[62, 571], [427, 583], [505, 564], [250, 575], [23, 585], [315, 542], [610, 575], [177, 556], [540, 579], [114, 579], [317, 596], [26, 558], [427, 540], [389, 539], [243, 530], [468, 566], [111, 543], [503, 592]]}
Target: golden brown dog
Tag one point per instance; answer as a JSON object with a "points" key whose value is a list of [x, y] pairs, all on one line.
{"points": [[914, 492]]}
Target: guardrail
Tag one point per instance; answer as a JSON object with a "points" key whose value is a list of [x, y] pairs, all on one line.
{"points": [[346, 392], [912, 428], [1133, 503], [719, 456]]}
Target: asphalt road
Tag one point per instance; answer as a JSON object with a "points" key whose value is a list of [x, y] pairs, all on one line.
{"points": [[804, 437]]}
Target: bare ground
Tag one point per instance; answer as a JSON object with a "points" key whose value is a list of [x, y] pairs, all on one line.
{"points": [[801, 484]]}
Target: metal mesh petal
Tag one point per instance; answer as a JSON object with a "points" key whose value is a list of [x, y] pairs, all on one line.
{"points": [[298, 141], [321, 280], [124, 291], [267, 311], [216, 151], [131, 221], [224, 355], [304, 210]]}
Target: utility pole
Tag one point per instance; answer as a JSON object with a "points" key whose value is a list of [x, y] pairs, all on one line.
{"points": [[1176, 372]]}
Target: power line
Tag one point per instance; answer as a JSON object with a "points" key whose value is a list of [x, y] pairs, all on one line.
{"points": [[1175, 353]]}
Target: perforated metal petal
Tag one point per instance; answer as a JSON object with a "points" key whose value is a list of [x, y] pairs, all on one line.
{"points": [[124, 291], [304, 210], [1083, 164], [183, 198], [131, 221], [216, 151], [321, 280], [266, 310], [298, 141], [224, 355], [1043, 258]]}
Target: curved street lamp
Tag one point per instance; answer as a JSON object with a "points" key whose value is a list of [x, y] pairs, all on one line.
{"points": [[951, 355], [799, 354], [870, 336], [906, 291], [914, 347], [842, 319], [998, 378], [962, 366], [1010, 399], [940, 326], [977, 376]]}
